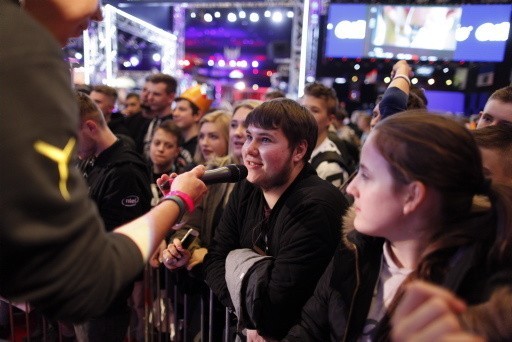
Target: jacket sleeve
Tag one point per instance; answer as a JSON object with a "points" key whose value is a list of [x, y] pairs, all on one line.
{"points": [[225, 239], [314, 321], [393, 101], [53, 248]]}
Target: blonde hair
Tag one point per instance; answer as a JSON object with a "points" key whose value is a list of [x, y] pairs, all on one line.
{"points": [[249, 104], [221, 118]]}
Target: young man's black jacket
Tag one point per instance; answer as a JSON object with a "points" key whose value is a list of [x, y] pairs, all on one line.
{"points": [[118, 182], [300, 234]]}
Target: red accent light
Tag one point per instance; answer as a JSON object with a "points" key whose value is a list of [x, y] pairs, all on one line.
{"points": [[255, 71], [269, 73]]}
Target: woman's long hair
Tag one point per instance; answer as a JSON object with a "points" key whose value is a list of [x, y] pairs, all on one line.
{"points": [[442, 154]]}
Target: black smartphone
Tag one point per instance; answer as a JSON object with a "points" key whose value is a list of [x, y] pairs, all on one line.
{"points": [[189, 237]]}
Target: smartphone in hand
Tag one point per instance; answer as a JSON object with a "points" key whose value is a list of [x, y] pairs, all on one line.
{"points": [[189, 237]]}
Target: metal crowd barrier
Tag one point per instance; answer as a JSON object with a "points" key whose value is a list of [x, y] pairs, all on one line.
{"points": [[168, 316]]}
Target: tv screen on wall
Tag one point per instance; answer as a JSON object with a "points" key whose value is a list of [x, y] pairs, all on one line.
{"points": [[428, 33]]}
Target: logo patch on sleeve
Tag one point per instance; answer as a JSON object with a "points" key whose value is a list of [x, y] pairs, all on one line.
{"points": [[130, 201]]}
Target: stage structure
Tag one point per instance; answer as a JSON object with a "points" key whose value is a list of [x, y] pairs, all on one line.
{"points": [[302, 61], [101, 46]]}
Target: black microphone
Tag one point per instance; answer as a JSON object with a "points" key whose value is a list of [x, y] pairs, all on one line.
{"points": [[231, 173]]}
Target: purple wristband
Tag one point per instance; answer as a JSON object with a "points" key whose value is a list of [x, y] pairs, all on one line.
{"points": [[185, 197]]}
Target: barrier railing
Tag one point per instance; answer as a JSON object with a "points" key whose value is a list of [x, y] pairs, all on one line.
{"points": [[170, 313]]}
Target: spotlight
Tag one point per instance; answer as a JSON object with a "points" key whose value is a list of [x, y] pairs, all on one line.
{"points": [[255, 87], [208, 18], [242, 14], [241, 64], [236, 74], [431, 81], [211, 62], [310, 79], [254, 17], [340, 80], [277, 17], [134, 60], [267, 14], [445, 70], [414, 80], [290, 14], [78, 55], [355, 78], [193, 15], [127, 64], [232, 63], [449, 82], [357, 67], [157, 57], [216, 14], [239, 85], [387, 79], [255, 64], [221, 63], [231, 17]]}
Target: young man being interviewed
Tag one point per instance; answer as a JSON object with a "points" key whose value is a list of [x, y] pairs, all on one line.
{"points": [[280, 226]]}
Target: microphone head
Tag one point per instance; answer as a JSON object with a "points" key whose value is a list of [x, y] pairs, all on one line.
{"points": [[238, 172]]}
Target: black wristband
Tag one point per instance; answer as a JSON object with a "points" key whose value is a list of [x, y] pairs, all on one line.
{"points": [[180, 204]]}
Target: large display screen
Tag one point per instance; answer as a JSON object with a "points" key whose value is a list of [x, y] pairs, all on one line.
{"points": [[429, 33]]}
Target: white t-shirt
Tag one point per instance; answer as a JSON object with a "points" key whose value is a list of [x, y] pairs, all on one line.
{"points": [[390, 278]]}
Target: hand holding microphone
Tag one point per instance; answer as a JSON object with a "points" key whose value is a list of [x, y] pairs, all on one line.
{"points": [[231, 173]]}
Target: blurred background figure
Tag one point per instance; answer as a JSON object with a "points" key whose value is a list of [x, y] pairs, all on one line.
{"points": [[273, 94], [495, 144], [132, 104]]}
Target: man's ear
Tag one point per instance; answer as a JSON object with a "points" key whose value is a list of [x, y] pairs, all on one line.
{"points": [[300, 151], [414, 195], [332, 117], [91, 125]]}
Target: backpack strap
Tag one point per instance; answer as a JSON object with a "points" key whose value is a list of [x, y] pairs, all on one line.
{"points": [[330, 157]]}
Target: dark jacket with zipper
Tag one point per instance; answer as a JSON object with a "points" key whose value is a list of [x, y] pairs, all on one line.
{"points": [[301, 234], [341, 301], [118, 182]]}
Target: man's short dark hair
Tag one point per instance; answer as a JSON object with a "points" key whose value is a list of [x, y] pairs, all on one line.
{"points": [[170, 127], [296, 122], [503, 94], [325, 93], [106, 90], [130, 95], [88, 109], [274, 94], [420, 93], [170, 82]]}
